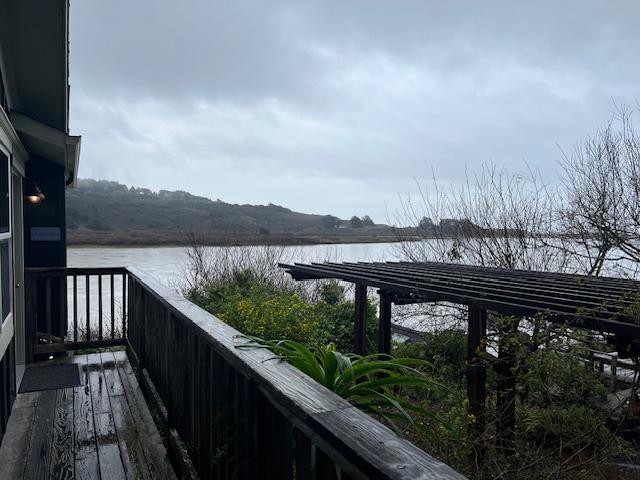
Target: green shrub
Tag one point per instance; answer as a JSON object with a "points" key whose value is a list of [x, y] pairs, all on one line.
{"points": [[263, 309], [550, 377], [445, 350], [372, 382], [574, 427]]}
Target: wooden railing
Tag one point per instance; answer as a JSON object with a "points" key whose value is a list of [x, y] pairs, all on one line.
{"points": [[74, 308], [243, 414], [597, 360], [231, 412]]}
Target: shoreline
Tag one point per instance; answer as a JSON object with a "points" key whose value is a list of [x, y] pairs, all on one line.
{"points": [[124, 241]]}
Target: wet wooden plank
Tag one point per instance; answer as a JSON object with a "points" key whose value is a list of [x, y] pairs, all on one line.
{"points": [[37, 459], [109, 458], [15, 445], [131, 447], [131, 450], [26, 400], [111, 466], [62, 456], [97, 385], [154, 449], [85, 445], [111, 376]]}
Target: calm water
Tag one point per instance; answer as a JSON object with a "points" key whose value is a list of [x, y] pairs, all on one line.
{"points": [[169, 263]]}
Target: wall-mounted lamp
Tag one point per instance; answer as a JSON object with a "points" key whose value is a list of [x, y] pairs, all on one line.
{"points": [[33, 194]]}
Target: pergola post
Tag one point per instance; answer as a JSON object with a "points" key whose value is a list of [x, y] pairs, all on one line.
{"points": [[476, 375], [506, 387], [360, 340], [384, 327]]}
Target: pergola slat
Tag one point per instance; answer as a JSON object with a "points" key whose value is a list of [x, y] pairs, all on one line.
{"points": [[572, 287], [529, 290]]}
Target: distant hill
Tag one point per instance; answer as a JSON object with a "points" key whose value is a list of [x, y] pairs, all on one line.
{"points": [[107, 212]]}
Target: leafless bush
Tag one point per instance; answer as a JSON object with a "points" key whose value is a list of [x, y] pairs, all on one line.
{"points": [[601, 211], [503, 220], [212, 265], [495, 218]]}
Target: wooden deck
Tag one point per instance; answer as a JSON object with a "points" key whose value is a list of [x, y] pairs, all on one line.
{"points": [[100, 430]]}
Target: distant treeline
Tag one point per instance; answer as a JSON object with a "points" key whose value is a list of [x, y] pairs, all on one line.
{"points": [[103, 212]]}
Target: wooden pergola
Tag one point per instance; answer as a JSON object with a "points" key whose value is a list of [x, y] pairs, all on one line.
{"points": [[598, 304]]}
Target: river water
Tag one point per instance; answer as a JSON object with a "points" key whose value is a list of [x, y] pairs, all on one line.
{"points": [[170, 263]]}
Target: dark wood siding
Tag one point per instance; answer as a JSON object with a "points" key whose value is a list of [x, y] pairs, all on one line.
{"points": [[7, 386]]}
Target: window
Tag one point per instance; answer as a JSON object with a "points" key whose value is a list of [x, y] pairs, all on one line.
{"points": [[5, 278]]}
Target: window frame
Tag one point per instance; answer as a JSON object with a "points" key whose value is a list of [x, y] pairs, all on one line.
{"points": [[7, 237]]}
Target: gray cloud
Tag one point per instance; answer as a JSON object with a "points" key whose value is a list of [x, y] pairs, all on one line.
{"points": [[336, 106]]}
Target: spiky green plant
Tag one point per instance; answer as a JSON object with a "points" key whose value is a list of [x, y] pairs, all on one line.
{"points": [[371, 383]]}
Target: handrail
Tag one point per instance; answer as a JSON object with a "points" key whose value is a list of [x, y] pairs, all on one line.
{"points": [[270, 419]]}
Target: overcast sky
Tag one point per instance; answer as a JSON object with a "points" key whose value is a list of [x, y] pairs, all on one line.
{"points": [[338, 106]]}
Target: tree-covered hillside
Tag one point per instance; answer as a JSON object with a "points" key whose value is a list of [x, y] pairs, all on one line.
{"points": [[102, 211]]}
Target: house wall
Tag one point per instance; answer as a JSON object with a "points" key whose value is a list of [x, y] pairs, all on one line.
{"points": [[50, 214]]}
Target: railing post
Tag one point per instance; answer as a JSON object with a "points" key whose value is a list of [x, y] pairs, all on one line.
{"points": [[112, 305], [384, 327], [614, 372], [99, 307], [75, 309], [87, 299], [601, 365], [360, 341], [125, 304], [130, 333], [47, 308]]}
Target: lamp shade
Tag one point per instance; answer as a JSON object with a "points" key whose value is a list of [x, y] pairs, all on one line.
{"points": [[33, 194]]}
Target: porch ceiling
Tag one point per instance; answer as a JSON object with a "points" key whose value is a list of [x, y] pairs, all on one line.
{"points": [[34, 39]]}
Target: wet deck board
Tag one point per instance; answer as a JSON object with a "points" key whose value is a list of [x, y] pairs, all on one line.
{"points": [[99, 430]]}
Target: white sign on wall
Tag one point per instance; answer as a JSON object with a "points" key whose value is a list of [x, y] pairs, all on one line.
{"points": [[45, 234]]}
